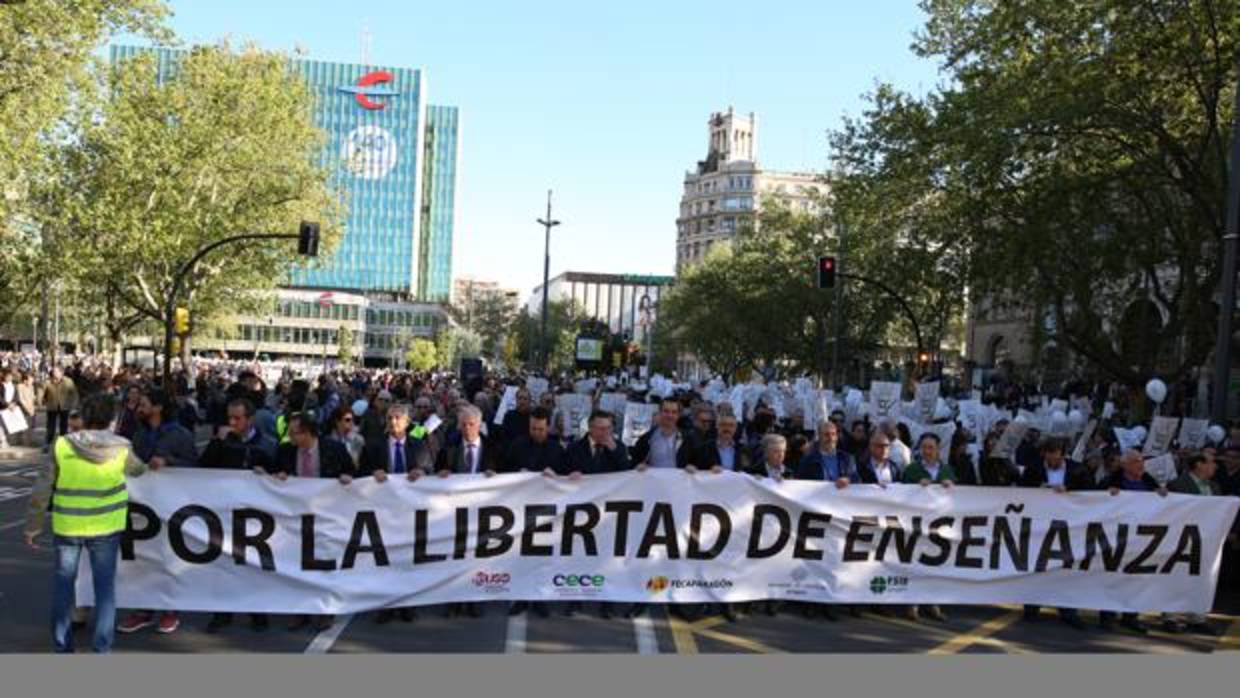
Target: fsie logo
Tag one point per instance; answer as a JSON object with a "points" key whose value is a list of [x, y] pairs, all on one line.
{"points": [[365, 89]]}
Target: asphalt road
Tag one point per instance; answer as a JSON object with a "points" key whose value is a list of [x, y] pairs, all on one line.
{"points": [[25, 602]]}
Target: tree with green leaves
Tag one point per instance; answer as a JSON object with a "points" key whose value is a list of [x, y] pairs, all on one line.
{"points": [[422, 355], [344, 345], [564, 319], [1077, 152], [489, 314], [160, 166], [45, 50], [455, 343]]}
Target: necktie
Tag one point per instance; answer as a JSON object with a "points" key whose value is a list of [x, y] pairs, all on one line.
{"points": [[598, 452], [306, 467], [398, 459], [470, 451]]}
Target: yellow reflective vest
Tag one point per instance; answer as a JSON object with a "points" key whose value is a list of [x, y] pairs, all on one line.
{"points": [[90, 498]]}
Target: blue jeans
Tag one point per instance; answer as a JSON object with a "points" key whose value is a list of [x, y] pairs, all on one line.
{"points": [[103, 551]]}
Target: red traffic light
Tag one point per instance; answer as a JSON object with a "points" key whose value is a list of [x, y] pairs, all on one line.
{"points": [[826, 272]]}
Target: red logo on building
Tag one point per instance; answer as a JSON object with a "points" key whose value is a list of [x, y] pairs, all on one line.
{"points": [[365, 89]]}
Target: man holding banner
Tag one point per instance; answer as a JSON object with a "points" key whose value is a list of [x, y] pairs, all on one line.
{"points": [[1060, 475]]}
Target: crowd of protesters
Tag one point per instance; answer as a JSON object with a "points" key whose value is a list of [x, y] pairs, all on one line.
{"points": [[382, 423]]}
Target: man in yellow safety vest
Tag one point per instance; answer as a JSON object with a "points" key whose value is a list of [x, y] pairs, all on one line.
{"points": [[85, 481]]}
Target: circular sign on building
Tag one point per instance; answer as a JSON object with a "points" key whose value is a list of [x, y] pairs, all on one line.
{"points": [[369, 152]]}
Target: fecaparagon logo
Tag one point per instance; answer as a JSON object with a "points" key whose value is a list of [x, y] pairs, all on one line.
{"points": [[657, 584], [365, 88]]}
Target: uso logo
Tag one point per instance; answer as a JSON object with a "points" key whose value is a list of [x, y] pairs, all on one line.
{"points": [[497, 581]]}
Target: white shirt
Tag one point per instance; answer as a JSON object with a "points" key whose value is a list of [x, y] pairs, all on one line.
{"points": [[472, 462], [882, 471], [1055, 476]]}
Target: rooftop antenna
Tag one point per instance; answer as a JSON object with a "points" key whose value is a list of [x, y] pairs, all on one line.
{"points": [[366, 37]]}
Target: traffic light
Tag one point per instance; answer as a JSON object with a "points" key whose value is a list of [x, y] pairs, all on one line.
{"points": [[826, 272], [308, 239], [180, 321]]}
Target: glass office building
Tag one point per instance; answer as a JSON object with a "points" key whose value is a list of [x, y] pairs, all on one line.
{"points": [[394, 157]]}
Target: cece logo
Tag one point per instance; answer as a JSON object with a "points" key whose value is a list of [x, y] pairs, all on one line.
{"points": [[578, 580]]}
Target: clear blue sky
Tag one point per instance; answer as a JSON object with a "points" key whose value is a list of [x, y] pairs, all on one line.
{"points": [[606, 103]]}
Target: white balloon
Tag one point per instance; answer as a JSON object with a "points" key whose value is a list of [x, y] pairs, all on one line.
{"points": [[1156, 390], [1216, 433], [359, 408]]}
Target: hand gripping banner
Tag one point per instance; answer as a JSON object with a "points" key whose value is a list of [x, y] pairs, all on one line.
{"points": [[203, 540]]}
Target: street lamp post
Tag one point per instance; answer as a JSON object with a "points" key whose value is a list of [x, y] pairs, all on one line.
{"points": [[308, 246], [547, 223], [1227, 304]]}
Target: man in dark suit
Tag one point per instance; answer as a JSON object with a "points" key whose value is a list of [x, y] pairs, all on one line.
{"points": [[877, 468], [239, 445], [396, 453], [473, 454], [1055, 471], [597, 453], [723, 452], [306, 455], [535, 451]]}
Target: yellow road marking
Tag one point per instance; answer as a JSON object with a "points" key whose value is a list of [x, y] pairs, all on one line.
{"points": [[742, 642], [682, 636], [1230, 642], [983, 631], [707, 623]]}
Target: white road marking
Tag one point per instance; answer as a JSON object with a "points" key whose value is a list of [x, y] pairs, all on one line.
{"points": [[643, 627], [12, 525], [514, 643], [324, 640]]}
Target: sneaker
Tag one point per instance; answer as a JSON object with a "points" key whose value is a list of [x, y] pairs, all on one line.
{"points": [[136, 621], [168, 623], [936, 614]]}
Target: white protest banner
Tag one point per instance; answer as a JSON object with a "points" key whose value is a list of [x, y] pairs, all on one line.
{"points": [[312, 545], [1108, 410], [433, 422], [737, 400], [586, 386], [1161, 468], [574, 410], [506, 403], [13, 419], [1006, 446], [638, 416], [1082, 444], [884, 400], [1158, 440], [1193, 433], [537, 387], [613, 403]]}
